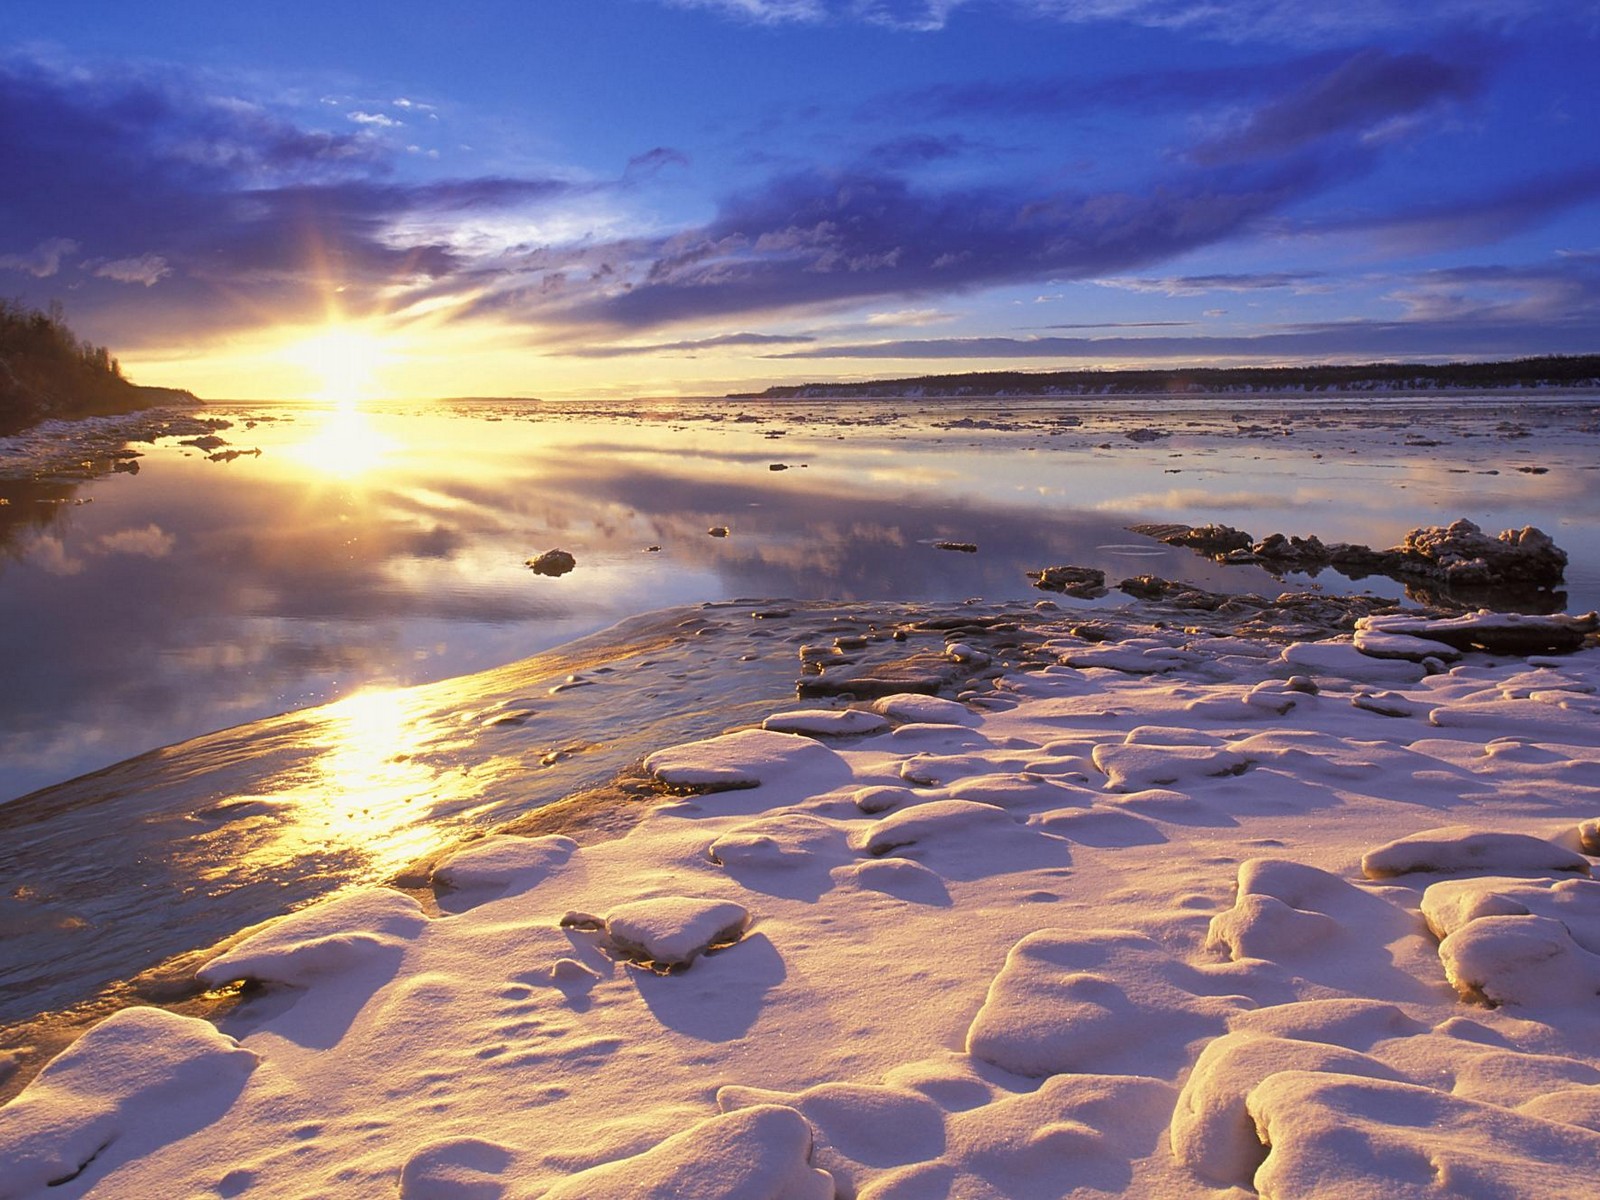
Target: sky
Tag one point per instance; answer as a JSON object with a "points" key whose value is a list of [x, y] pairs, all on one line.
{"points": [[574, 198]]}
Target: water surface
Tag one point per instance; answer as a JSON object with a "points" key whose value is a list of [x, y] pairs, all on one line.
{"points": [[385, 545]]}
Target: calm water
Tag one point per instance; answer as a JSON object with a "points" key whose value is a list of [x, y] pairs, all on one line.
{"points": [[386, 545]]}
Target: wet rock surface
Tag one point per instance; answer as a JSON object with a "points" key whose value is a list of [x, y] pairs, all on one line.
{"points": [[552, 562]]}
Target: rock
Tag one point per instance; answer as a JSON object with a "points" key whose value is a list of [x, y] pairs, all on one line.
{"points": [[718, 531], [962, 547], [1435, 561], [553, 562], [1086, 583]]}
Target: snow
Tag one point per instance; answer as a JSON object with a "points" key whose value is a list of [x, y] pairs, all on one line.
{"points": [[1167, 923]]}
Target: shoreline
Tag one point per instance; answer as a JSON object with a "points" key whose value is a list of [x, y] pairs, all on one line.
{"points": [[1030, 811]]}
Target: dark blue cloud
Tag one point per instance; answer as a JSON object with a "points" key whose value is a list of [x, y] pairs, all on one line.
{"points": [[1357, 97], [824, 238]]}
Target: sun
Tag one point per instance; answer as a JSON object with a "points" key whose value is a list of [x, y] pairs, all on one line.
{"points": [[343, 361]]}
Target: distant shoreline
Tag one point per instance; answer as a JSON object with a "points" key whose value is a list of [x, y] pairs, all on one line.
{"points": [[1553, 374]]}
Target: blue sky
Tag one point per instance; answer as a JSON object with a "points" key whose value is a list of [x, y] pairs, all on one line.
{"points": [[611, 196]]}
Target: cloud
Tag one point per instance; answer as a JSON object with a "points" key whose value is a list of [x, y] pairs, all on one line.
{"points": [[43, 261], [655, 160], [1200, 285], [1283, 21], [819, 239], [374, 120], [1481, 218], [148, 269], [1360, 96], [690, 346], [236, 210]]}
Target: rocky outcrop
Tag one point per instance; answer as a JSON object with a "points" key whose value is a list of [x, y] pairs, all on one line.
{"points": [[1086, 583], [1456, 564]]}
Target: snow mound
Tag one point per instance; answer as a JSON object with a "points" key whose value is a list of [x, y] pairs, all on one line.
{"points": [[501, 862], [1137, 768], [881, 798], [1074, 1135], [457, 1169], [1523, 961], [669, 931], [760, 1153], [778, 841], [962, 839], [745, 759], [1065, 1002], [1352, 1022], [1212, 1133], [827, 722], [139, 1079], [322, 940], [856, 1125], [925, 710], [1017, 791], [897, 877], [1371, 1139], [1551, 717], [1455, 849], [1281, 911], [1451, 904]]}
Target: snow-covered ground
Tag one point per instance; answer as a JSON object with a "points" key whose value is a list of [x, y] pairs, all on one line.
{"points": [[1191, 916]]}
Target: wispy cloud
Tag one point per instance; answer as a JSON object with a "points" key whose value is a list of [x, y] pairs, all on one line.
{"points": [[690, 346], [1200, 285], [43, 261], [1287, 21]]}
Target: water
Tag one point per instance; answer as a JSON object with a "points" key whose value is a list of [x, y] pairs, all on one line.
{"points": [[385, 545], [365, 550]]}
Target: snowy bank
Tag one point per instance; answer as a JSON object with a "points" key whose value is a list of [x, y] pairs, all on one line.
{"points": [[1172, 916]]}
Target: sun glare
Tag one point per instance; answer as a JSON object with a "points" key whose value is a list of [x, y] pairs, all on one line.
{"points": [[343, 363]]}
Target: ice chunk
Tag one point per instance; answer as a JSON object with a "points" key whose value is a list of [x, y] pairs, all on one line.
{"points": [[1455, 849], [738, 760], [1212, 1133], [760, 1153], [672, 931], [1343, 660], [323, 939], [139, 1079], [1337, 1135], [1382, 644], [500, 862], [827, 722], [925, 710]]}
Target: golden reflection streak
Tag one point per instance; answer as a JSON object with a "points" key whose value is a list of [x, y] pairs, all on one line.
{"points": [[366, 791]]}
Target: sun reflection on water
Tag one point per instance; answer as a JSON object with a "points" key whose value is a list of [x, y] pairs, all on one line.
{"points": [[345, 444], [369, 791]]}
